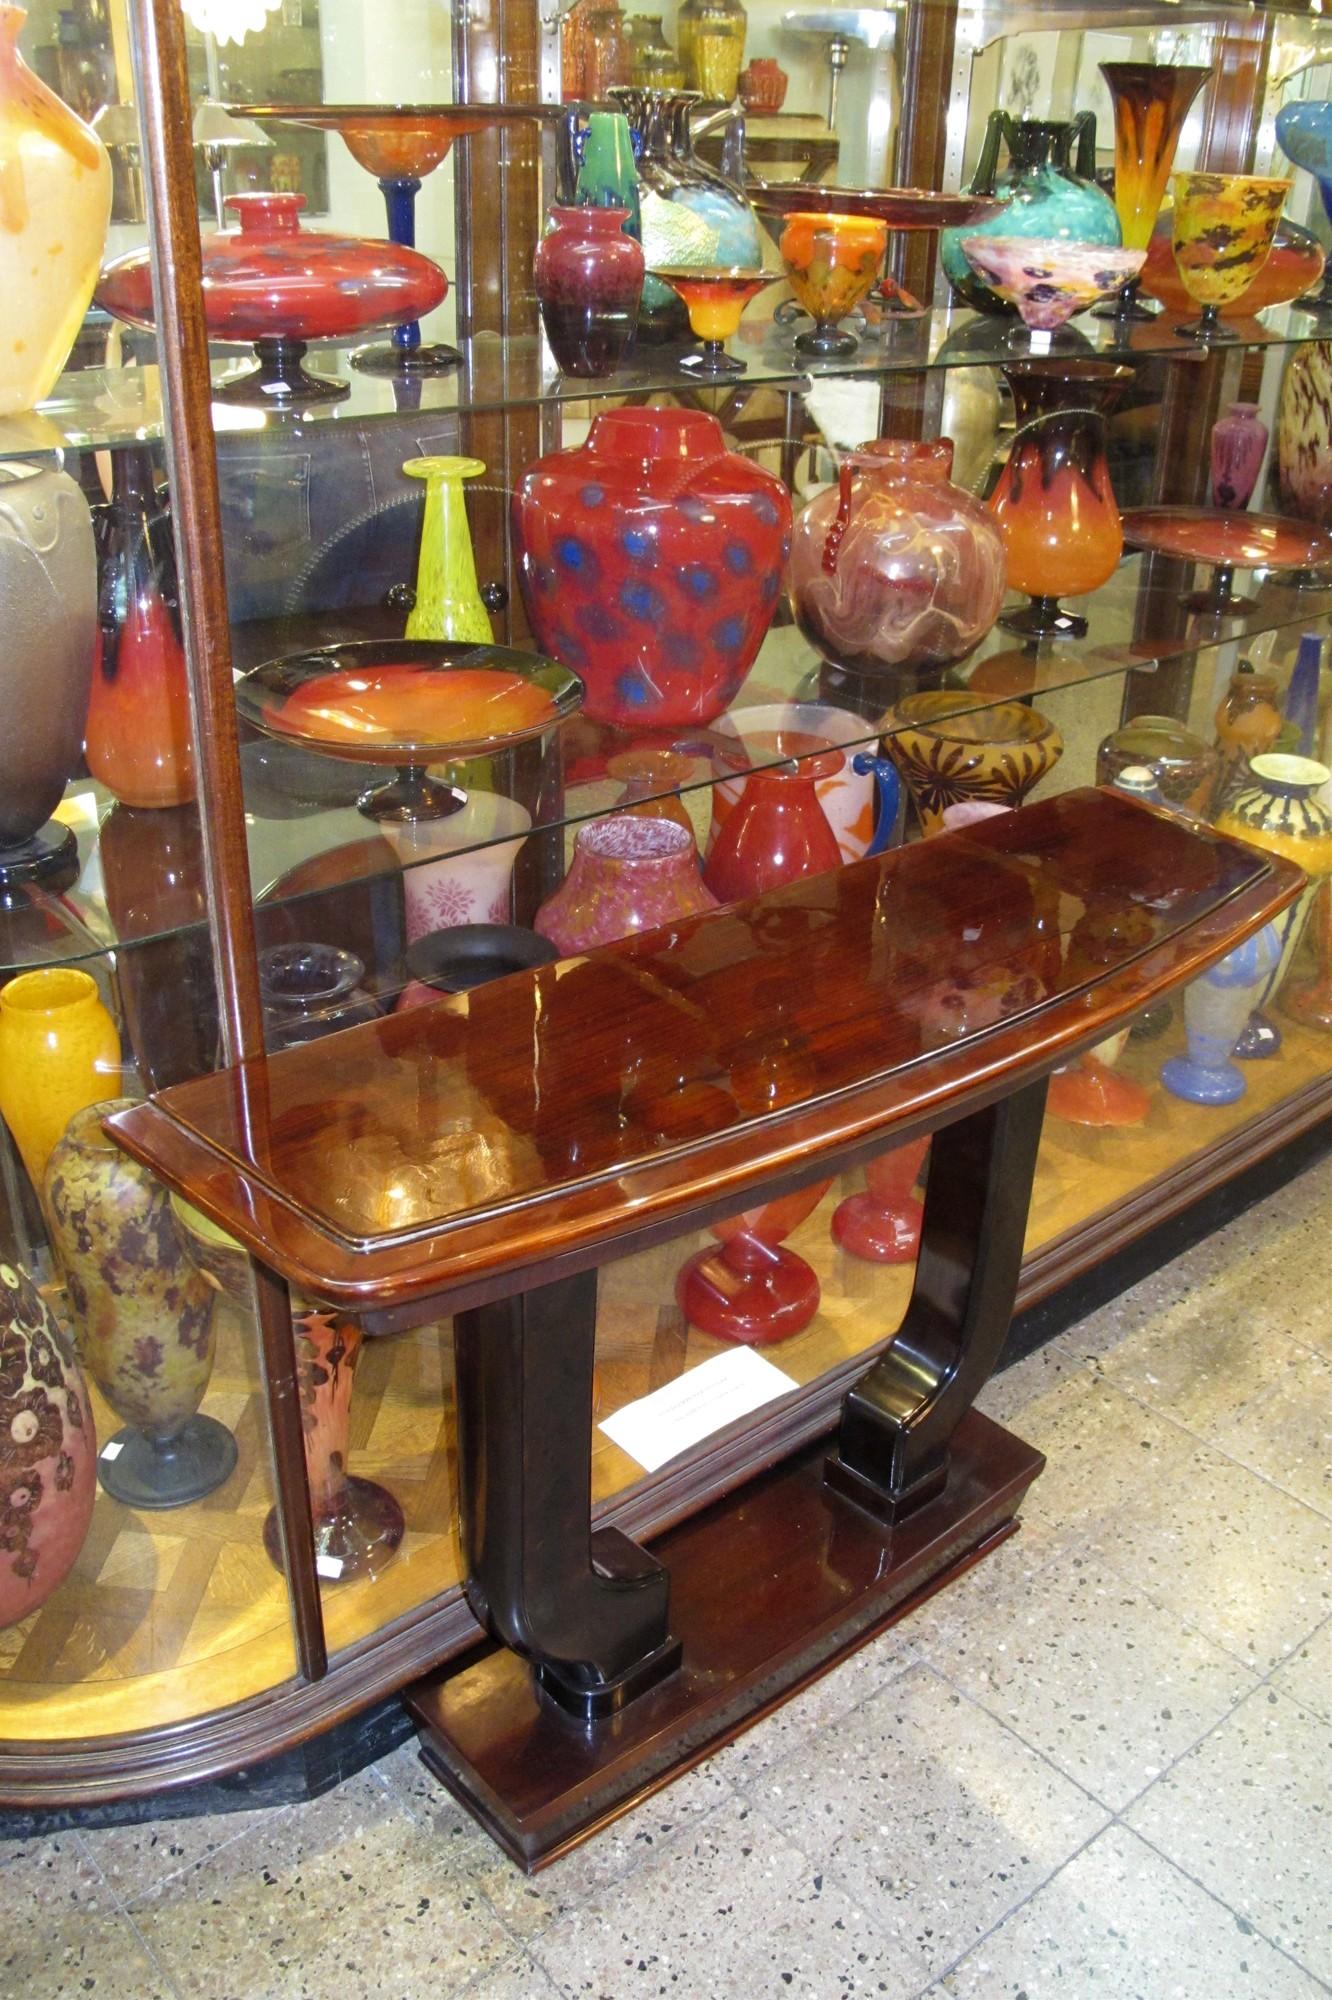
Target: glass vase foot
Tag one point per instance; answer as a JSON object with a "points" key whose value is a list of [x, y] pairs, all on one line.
{"points": [[156, 1474], [751, 1292], [1201, 1083], [52, 850], [280, 379], [708, 362], [1208, 330], [1043, 618], [1259, 1038], [357, 1537], [826, 342], [436, 358], [1090, 1093], [877, 1231]]}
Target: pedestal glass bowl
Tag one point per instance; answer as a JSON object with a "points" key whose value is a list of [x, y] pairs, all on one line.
{"points": [[1304, 134], [832, 262], [1151, 102], [1229, 541], [1048, 281], [1295, 265], [1223, 230], [408, 703], [910, 209], [400, 144], [715, 297]]}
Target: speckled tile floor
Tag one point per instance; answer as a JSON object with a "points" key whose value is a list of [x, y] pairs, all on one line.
{"points": [[1097, 1766]]}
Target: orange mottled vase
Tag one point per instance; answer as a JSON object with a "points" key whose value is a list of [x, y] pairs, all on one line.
{"points": [[138, 741], [1055, 508], [55, 202]]}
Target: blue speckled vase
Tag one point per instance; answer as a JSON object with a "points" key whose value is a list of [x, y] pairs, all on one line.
{"points": [[1043, 195], [1216, 1008], [1304, 134]]}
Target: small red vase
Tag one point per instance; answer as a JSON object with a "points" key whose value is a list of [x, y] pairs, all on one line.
{"points": [[650, 560], [776, 833], [752, 1290], [589, 280], [138, 740], [883, 1224]]}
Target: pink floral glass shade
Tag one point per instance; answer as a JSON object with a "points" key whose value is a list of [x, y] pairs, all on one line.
{"points": [[628, 874], [1049, 280]]}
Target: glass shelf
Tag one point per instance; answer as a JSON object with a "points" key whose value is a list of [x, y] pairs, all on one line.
{"points": [[300, 849], [103, 408]]}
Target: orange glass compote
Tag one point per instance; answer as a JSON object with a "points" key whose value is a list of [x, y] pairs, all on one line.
{"points": [[715, 297]]}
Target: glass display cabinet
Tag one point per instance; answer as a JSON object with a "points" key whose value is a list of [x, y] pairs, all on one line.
{"points": [[709, 633]]}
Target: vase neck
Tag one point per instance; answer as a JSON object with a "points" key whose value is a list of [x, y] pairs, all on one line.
{"points": [[266, 216], [1035, 143]]}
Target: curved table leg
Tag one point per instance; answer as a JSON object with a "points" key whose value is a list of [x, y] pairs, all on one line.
{"points": [[898, 1419], [590, 1611]]}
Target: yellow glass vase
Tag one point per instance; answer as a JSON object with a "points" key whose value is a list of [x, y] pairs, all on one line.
{"points": [[55, 202], [59, 1051], [448, 598]]}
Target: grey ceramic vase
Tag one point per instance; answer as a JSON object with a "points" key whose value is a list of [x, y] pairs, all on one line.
{"points": [[48, 619]]}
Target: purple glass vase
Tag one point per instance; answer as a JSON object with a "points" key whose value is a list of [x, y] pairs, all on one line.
{"points": [[589, 279], [1239, 440], [628, 874]]}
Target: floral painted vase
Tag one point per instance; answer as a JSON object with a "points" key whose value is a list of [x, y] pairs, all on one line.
{"points": [[143, 1317], [48, 585], [48, 1450], [832, 262], [1304, 434], [949, 751], [459, 869], [650, 560], [1239, 440], [139, 740], [59, 1050], [1279, 809], [628, 874], [1045, 192], [448, 603], [358, 1525], [896, 566], [589, 283], [55, 203], [1216, 1007], [311, 990]]}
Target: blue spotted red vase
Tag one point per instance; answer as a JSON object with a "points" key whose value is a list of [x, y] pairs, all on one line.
{"points": [[651, 562]]}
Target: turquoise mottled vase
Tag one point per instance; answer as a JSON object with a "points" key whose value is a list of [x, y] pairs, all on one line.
{"points": [[1044, 193], [1304, 134]]}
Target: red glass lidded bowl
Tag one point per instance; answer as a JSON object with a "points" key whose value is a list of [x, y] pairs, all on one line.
{"points": [[650, 560]]}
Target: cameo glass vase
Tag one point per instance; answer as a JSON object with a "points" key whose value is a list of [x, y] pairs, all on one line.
{"points": [[1054, 504], [589, 283], [650, 560], [1151, 102], [1216, 1008], [48, 586], [143, 1317], [777, 831], [948, 751], [48, 1450], [448, 603], [59, 1051], [55, 203], [1239, 440], [628, 874], [832, 263], [895, 566], [1045, 191], [1223, 230], [358, 1525], [1279, 808], [139, 741], [753, 1289]]}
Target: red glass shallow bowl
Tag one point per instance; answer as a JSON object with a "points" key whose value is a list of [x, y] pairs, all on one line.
{"points": [[1294, 266], [1231, 539], [408, 701], [903, 208], [272, 279]]}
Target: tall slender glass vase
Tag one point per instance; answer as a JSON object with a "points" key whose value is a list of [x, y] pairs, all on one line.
{"points": [[448, 598]]}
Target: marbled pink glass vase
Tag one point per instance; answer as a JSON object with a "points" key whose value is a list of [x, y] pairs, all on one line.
{"points": [[1239, 440], [628, 874]]}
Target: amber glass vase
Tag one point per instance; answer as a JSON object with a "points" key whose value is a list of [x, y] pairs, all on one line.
{"points": [[1151, 102], [1054, 502]]}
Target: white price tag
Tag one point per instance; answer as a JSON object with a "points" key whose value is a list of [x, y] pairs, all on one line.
{"points": [[329, 1566], [660, 1426], [111, 1450]]}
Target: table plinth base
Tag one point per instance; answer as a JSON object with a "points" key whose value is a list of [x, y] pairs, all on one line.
{"points": [[770, 1587]]}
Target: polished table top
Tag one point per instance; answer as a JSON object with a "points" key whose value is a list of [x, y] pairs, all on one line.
{"points": [[556, 1117]]}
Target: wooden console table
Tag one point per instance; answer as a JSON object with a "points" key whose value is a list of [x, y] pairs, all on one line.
{"points": [[484, 1156]]}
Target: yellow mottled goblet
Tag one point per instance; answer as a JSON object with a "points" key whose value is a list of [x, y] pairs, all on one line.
{"points": [[715, 297], [1223, 230]]}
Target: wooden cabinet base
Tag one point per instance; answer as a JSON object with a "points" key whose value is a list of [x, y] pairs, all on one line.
{"points": [[770, 1587]]}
